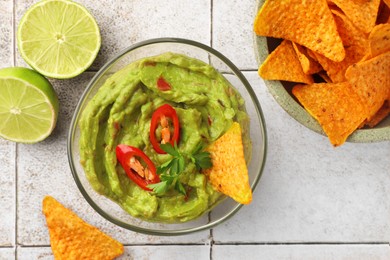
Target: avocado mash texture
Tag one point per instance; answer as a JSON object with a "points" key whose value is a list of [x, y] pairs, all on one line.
{"points": [[120, 113]]}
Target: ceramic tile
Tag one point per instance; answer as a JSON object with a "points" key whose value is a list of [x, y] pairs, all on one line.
{"points": [[42, 253], [128, 22], [132, 252], [7, 253], [7, 149], [6, 33], [166, 252], [233, 33], [311, 191], [298, 252], [7, 193]]}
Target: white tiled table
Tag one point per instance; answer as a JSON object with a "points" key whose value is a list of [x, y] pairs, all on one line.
{"points": [[313, 201]]}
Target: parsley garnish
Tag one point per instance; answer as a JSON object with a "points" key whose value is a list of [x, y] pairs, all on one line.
{"points": [[171, 170], [201, 159]]}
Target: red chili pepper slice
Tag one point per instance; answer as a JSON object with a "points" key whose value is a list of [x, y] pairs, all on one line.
{"points": [[160, 117], [128, 157], [162, 84]]}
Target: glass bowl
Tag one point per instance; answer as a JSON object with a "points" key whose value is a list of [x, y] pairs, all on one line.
{"points": [[227, 207], [281, 91]]}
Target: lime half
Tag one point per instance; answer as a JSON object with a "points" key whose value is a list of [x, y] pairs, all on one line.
{"points": [[28, 105], [58, 38]]}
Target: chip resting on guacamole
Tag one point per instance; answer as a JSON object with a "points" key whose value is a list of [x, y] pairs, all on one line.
{"points": [[72, 238], [308, 23], [229, 173]]}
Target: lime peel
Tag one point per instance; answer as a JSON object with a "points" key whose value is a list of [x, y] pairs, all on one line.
{"points": [[29, 108]]}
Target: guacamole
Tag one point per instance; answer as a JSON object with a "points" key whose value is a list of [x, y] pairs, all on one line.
{"points": [[120, 113]]}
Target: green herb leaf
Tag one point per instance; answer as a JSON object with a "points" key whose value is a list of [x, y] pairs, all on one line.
{"points": [[170, 171], [180, 188], [164, 167], [170, 149], [181, 164], [202, 159], [175, 167], [159, 188]]}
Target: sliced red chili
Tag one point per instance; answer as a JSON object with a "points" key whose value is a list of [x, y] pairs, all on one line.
{"points": [[129, 157], [209, 120], [160, 117], [162, 84]]}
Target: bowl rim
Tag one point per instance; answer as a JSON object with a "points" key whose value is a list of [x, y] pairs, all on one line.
{"points": [[77, 113], [296, 111]]}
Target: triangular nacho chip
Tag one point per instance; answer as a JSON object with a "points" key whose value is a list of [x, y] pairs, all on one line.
{"points": [[283, 64], [379, 40], [362, 13], [308, 23], [335, 106], [229, 174], [309, 65], [371, 81], [72, 238], [382, 113], [356, 46]]}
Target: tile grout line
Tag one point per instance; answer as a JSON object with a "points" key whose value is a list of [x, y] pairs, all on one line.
{"points": [[240, 244], [13, 33], [211, 22], [371, 243], [16, 145]]}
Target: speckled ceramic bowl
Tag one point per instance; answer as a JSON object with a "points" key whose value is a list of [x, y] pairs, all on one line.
{"points": [[227, 207], [282, 94]]}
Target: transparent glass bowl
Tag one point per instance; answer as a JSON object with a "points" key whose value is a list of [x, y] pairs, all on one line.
{"points": [[228, 207]]}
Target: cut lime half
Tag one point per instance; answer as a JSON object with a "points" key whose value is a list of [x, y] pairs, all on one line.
{"points": [[28, 105], [58, 38]]}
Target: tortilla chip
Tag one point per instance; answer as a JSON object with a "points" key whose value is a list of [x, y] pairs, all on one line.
{"points": [[355, 43], [308, 23], [229, 174], [379, 39], [362, 13], [382, 113], [311, 54], [283, 64], [371, 81], [335, 106], [309, 65], [72, 238]]}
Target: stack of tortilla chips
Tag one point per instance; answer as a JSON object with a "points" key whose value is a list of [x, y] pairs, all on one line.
{"points": [[347, 44]]}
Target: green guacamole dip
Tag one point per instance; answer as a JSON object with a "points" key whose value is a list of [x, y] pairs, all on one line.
{"points": [[120, 113]]}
